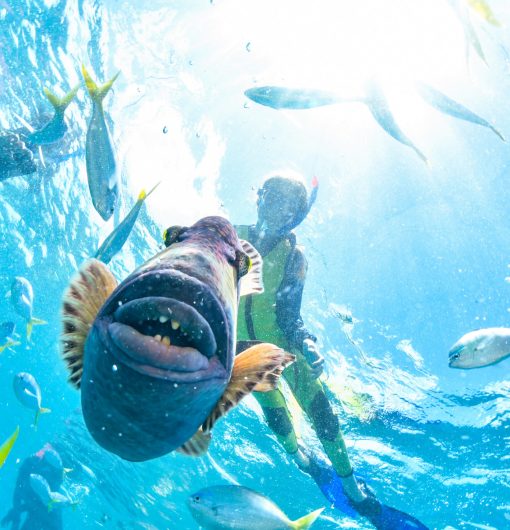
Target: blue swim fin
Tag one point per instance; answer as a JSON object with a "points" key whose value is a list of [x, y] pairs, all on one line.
{"points": [[329, 483]]}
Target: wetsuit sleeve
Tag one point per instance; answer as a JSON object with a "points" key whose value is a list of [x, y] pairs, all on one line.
{"points": [[289, 297]]}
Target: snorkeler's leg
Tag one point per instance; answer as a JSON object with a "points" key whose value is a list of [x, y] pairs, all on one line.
{"points": [[310, 395], [278, 418]]}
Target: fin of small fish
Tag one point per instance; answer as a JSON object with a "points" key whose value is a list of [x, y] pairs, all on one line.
{"points": [[42, 410], [307, 520], [97, 93], [252, 282], [31, 323], [82, 300], [256, 369], [482, 8], [197, 445], [60, 104], [144, 194], [6, 447]]}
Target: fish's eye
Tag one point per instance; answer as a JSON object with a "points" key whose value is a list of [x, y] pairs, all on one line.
{"points": [[196, 498], [244, 264]]}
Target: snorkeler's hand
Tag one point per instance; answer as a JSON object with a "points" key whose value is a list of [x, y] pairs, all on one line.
{"points": [[313, 357]]}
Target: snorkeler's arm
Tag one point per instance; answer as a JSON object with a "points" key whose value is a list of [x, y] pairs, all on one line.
{"points": [[289, 298]]}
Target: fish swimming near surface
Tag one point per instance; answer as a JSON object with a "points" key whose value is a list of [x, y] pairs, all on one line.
{"points": [[155, 356], [291, 98], [6, 336], [237, 507], [55, 129], [479, 348], [115, 241], [100, 159], [22, 299], [278, 97], [43, 491], [28, 393], [444, 104], [7, 446]]}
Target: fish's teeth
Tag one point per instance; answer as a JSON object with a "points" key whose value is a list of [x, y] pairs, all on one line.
{"points": [[175, 325], [166, 341], [163, 319], [157, 337]]}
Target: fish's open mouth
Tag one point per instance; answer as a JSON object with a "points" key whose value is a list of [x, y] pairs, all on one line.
{"points": [[162, 334]]}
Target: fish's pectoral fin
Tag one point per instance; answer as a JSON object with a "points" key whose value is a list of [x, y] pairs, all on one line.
{"points": [[82, 300], [251, 281], [197, 445], [256, 369]]}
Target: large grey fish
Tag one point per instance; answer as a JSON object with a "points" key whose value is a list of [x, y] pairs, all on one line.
{"points": [[292, 98], [28, 393], [479, 348], [55, 129], [449, 106], [99, 154], [22, 300], [43, 491], [239, 508], [155, 356], [115, 241]]}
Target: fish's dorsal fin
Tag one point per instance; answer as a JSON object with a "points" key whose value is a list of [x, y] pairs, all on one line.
{"points": [[251, 282], [82, 300], [256, 369], [197, 445]]}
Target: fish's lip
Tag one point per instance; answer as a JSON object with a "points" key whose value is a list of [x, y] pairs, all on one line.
{"points": [[173, 367]]}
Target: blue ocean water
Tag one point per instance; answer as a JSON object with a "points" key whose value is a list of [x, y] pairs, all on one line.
{"points": [[417, 253]]}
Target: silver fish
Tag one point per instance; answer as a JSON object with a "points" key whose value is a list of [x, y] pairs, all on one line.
{"points": [[22, 300], [443, 103], [28, 393], [239, 508], [99, 154], [479, 348]]}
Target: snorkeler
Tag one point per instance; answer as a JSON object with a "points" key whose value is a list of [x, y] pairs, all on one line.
{"points": [[46, 467], [274, 316]]}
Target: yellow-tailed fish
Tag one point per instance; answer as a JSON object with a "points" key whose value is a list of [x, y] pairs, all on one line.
{"points": [[482, 8], [100, 157], [239, 508], [22, 299], [115, 241], [28, 393]]}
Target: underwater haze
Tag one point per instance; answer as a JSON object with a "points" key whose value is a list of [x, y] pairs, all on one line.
{"points": [[405, 256]]}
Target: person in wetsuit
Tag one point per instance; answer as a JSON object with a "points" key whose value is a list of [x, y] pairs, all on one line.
{"points": [[48, 464], [275, 316]]}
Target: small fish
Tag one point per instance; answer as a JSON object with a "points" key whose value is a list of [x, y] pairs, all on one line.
{"points": [[28, 393], [22, 299], [115, 241], [444, 104], [6, 336], [278, 97], [482, 8], [55, 129], [378, 106], [49, 498], [6, 447], [479, 348], [239, 508], [471, 38], [100, 160], [155, 356]]}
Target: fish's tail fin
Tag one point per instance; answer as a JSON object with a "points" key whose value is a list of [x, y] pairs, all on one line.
{"points": [[97, 93], [42, 410], [34, 322], [307, 520], [60, 104], [144, 194], [9, 344], [497, 132]]}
